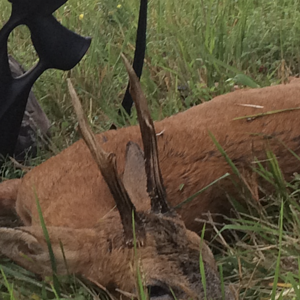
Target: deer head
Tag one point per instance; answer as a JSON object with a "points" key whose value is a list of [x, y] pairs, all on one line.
{"points": [[165, 253]]}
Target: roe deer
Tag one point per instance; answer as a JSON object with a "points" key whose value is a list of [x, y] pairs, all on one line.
{"points": [[167, 253], [189, 160]]}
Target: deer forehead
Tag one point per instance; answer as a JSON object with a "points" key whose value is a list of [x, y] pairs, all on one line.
{"points": [[169, 229], [165, 235]]}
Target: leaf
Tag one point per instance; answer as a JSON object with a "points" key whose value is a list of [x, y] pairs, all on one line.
{"points": [[242, 79]]}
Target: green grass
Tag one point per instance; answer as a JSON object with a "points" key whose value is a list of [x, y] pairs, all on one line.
{"points": [[196, 50], [193, 46], [264, 260]]}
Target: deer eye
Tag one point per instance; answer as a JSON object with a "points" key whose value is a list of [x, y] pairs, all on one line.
{"points": [[158, 292]]}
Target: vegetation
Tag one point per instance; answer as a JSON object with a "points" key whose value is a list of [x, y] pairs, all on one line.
{"points": [[196, 50]]}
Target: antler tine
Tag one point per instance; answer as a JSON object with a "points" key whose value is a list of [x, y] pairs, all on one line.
{"points": [[107, 164], [155, 185]]}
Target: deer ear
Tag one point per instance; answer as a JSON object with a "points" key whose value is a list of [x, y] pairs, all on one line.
{"points": [[27, 247], [134, 177]]}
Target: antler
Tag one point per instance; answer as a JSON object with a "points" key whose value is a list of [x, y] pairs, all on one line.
{"points": [[108, 167], [155, 185]]}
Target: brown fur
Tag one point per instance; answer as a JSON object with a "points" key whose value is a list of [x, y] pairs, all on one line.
{"points": [[187, 156], [167, 253], [170, 256], [9, 192]]}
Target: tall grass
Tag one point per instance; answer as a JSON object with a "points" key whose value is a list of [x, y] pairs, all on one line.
{"points": [[196, 50], [193, 47]]}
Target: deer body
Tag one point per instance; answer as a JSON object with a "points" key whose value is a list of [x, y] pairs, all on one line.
{"points": [[73, 193], [144, 236], [154, 241]]}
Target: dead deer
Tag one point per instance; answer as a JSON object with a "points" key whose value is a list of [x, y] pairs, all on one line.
{"points": [[189, 160], [167, 253]]}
